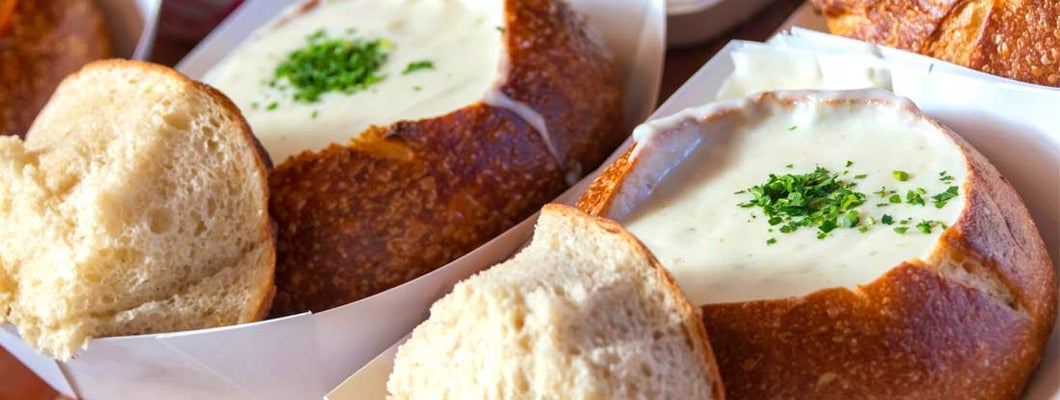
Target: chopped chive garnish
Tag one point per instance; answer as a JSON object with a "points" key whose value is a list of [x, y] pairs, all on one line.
{"points": [[331, 65], [416, 66], [941, 198], [901, 176], [816, 199]]}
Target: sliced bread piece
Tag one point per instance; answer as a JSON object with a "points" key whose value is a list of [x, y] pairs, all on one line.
{"points": [[137, 204], [584, 312]]}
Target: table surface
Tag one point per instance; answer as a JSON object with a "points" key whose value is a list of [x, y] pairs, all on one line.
{"points": [[20, 383]]}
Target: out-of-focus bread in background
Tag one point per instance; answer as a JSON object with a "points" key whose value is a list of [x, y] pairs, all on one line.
{"points": [[42, 41], [1013, 39]]}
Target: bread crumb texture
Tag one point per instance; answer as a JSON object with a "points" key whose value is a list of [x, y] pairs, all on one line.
{"points": [[581, 313], [137, 204]]}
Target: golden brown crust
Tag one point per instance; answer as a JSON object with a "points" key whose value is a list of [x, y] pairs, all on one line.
{"points": [[402, 200], [1014, 39], [598, 197], [43, 42], [691, 314], [971, 321]]}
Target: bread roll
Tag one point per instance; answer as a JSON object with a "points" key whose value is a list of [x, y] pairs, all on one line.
{"points": [[42, 41], [584, 312], [1013, 39], [136, 204]]}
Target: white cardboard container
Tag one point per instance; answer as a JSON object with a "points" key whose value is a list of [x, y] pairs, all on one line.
{"points": [[1012, 123], [303, 356]]}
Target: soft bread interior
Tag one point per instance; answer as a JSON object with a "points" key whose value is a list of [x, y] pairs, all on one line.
{"points": [[583, 312], [136, 205], [692, 171]]}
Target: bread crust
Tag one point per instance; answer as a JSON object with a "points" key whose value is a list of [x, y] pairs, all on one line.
{"points": [[399, 201], [1014, 39], [691, 315], [40, 43], [971, 321]]}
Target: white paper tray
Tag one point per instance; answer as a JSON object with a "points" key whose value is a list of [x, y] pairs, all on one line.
{"points": [[304, 356], [1013, 124]]}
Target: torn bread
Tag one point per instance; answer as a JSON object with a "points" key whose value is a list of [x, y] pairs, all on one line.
{"points": [[138, 203], [584, 312]]}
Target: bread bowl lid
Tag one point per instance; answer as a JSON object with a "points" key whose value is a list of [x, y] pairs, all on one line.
{"points": [[305, 355]]}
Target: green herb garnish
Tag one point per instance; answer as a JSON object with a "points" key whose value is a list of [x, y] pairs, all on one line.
{"points": [[771, 241], [416, 66], [901, 229], [895, 199], [816, 199], [925, 226], [331, 65], [883, 192], [901, 176], [945, 177], [272, 106], [915, 197], [887, 219], [942, 198]]}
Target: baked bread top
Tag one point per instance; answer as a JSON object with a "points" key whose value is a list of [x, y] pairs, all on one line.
{"points": [[40, 43], [398, 200], [583, 312], [136, 204], [1013, 39], [981, 301]]}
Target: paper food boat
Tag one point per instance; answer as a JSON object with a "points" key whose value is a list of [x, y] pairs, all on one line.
{"points": [[1012, 123], [304, 356]]}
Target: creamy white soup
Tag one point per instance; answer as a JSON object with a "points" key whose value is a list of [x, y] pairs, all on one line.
{"points": [[720, 251], [441, 55]]}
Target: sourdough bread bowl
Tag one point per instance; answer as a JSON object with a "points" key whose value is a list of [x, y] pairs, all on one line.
{"points": [[479, 113], [951, 295], [138, 203], [1014, 39], [583, 312], [40, 43]]}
